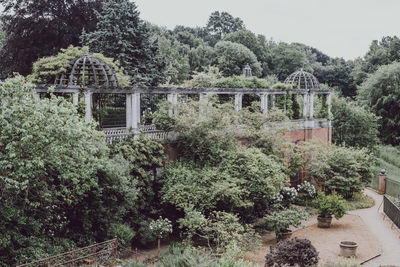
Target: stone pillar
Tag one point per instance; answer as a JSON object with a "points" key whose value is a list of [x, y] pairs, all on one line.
{"points": [[264, 103], [173, 99], [311, 105], [135, 110], [129, 114], [382, 182], [36, 96], [75, 98], [328, 102], [305, 106], [238, 101], [88, 105], [204, 98], [272, 101]]}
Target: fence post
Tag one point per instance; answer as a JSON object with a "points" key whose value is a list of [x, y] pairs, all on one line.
{"points": [[382, 182]]}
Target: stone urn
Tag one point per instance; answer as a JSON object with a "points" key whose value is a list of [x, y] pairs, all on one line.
{"points": [[324, 222], [286, 234], [348, 248]]}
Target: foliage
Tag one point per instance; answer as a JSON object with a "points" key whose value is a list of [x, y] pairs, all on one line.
{"points": [[331, 205], [55, 190], [134, 49], [286, 197], [221, 23], [292, 252], [353, 125], [307, 188], [123, 232], [279, 221], [359, 201], [233, 57], [161, 228], [178, 255], [380, 92], [341, 263], [221, 230], [46, 69], [341, 169], [26, 41]]}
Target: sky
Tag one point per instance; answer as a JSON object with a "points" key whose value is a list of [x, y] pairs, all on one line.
{"points": [[339, 28]]}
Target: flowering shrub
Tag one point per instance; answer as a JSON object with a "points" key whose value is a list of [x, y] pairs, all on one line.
{"points": [[161, 228], [279, 221], [307, 188], [285, 197]]}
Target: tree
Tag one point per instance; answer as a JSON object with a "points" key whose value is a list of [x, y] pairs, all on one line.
{"points": [[233, 57], [221, 23], [353, 125], [55, 192], [41, 28], [381, 93], [284, 59], [122, 35]]}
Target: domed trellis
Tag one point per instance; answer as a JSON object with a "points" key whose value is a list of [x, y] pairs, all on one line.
{"points": [[302, 80], [88, 71]]}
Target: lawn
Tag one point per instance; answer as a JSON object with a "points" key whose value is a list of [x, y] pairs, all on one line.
{"points": [[388, 159]]}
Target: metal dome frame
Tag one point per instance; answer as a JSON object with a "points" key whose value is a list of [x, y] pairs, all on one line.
{"points": [[302, 80], [88, 71]]}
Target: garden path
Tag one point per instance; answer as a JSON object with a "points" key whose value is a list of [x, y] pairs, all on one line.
{"points": [[387, 236]]}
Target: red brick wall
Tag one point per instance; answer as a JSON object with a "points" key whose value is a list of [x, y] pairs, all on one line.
{"points": [[322, 134]]}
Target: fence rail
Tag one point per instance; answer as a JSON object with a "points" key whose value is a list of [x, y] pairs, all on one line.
{"points": [[95, 254], [391, 210], [392, 187]]}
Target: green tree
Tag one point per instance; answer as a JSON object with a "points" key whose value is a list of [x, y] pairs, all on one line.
{"points": [[233, 57], [122, 35], [221, 23], [41, 28], [58, 187], [381, 93], [284, 59], [353, 125]]}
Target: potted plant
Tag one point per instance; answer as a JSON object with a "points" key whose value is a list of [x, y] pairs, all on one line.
{"points": [[279, 221], [328, 206]]}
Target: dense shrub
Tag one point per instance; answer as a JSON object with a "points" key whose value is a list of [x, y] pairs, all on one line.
{"points": [[331, 205], [292, 252], [59, 187], [353, 125], [279, 221], [341, 169]]}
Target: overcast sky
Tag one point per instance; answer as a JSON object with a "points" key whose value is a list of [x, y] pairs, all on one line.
{"points": [[339, 28]]}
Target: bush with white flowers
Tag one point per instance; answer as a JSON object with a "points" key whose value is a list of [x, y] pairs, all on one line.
{"points": [[161, 228], [307, 188]]}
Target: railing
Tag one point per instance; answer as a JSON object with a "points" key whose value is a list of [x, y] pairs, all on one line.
{"points": [[391, 210], [119, 134], [392, 187], [93, 255]]}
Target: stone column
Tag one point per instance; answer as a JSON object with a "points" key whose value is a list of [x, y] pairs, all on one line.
{"points": [[88, 105], [238, 101], [264, 103], [305, 106], [173, 99], [36, 96], [311, 105], [382, 182], [328, 102], [272, 101], [129, 114], [75, 98], [135, 110]]}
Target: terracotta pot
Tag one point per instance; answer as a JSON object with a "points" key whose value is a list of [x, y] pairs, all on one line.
{"points": [[286, 234], [324, 222], [348, 248]]}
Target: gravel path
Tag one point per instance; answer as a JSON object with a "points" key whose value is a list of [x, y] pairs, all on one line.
{"points": [[386, 234]]}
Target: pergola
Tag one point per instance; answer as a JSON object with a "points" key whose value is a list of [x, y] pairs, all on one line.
{"points": [[88, 76]]}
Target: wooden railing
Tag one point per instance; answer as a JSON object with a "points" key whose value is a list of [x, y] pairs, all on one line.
{"points": [[93, 255]]}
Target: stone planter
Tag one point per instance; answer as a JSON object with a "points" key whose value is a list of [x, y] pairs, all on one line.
{"points": [[286, 234], [324, 222], [348, 248]]}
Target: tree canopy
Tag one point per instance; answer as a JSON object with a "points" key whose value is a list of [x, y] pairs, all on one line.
{"points": [[121, 34], [41, 28]]}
